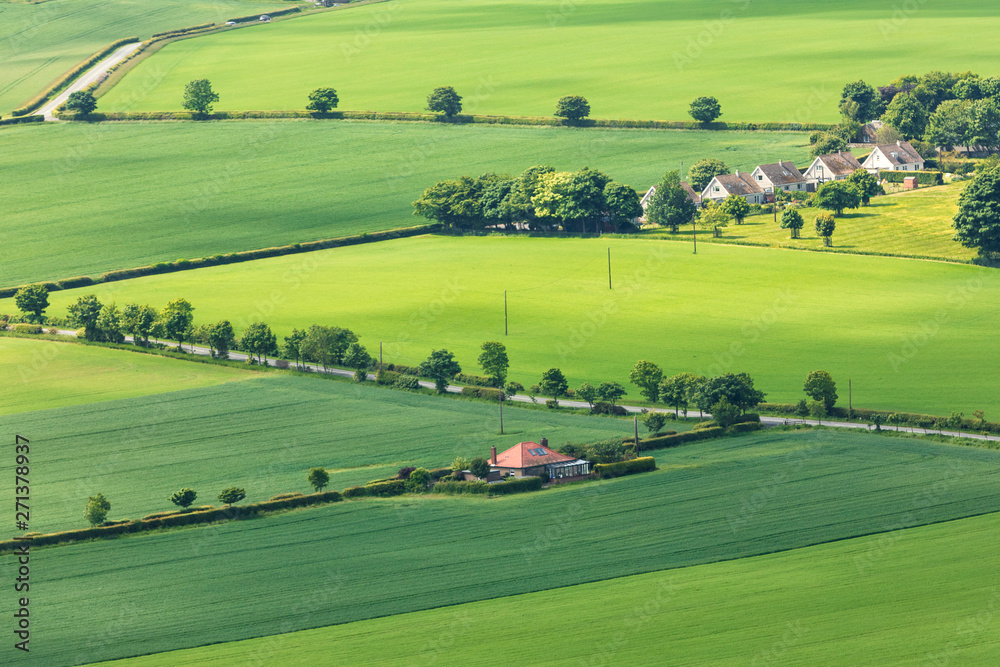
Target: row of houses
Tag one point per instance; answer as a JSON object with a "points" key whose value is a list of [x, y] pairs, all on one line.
{"points": [[759, 185]]}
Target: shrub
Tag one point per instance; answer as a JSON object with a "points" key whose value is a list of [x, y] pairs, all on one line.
{"points": [[750, 417], [232, 495], [667, 441], [409, 382], [475, 380], [482, 392], [404, 473], [286, 496], [391, 488], [418, 480], [28, 328], [461, 488], [703, 425], [608, 470], [184, 497], [438, 473], [746, 427], [405, 370], [78, 281], [356, 492], [923, 177], [552, 404], [605, 408], [516, 486], [387, 378]]}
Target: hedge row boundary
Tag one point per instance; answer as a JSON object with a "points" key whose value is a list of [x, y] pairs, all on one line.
{"points": [[908, 419], [256, 17], [22, 119], [622, 468], [923, 177]]}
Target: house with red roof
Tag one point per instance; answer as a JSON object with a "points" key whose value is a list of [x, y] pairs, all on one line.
{"points": [[532, 459]]}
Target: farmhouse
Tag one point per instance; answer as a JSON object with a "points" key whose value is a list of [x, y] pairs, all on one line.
{"points": [[688, 190], [833, 167], [867, 133], [738, 184], [780, 176], [531, 459], [900, 156]]}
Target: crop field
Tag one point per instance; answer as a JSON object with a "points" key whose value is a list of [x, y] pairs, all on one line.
{"points": [[907, 223], [645, 59], [912, 335], [369, 558], [186, 190], [872, 600], [42, 374], [39, 42], [264, 435]]}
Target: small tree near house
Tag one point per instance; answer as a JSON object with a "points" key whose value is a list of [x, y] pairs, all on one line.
{"points": [[479, 467], [736, 207], [792, 219]]}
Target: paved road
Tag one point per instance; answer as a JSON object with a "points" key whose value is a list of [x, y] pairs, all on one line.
{"points": [[518, 398], [87, 78]]}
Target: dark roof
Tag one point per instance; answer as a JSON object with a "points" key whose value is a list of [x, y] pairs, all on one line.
{"points": [[692, 195], [839, 164], [904, 153], [781, 173], [738, 184]]}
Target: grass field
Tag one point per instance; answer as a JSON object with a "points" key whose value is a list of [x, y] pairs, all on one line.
{"points": [[924, 595], [645, 58], [46, 374], [911, 223], [184, 190], [712, 501], [39, 42], [912, 335], [264, 435]]}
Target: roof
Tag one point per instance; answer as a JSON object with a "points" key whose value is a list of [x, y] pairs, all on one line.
{"points": [[644, 202], [905, 153], [529, 454], [692, 195], [839, 164], [781, 173], [738, 184]]}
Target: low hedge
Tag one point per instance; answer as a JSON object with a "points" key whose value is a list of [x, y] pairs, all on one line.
{"points": [[22, 119], [475, 380], [482, 392], [908, 419], [28, 328], [383, 489], [515, 486], [438, 473], [181, 31], [703, 425], [622, 468], [667, 441], [398, 380], [78, 281], [746, 427], [923, 177], [355, 492], [403, 368], [461, 488]]}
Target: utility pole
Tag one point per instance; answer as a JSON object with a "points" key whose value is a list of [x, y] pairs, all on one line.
{"points": [[694, 230], [380, 355], [505, 312], [501, 411], [609, 268], [635, 420], [850, 400]]}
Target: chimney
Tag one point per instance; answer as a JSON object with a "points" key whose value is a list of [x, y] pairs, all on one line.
{"points": [[737, 172], [840, 152], [493, 455], [898, 142], [544, 442]]}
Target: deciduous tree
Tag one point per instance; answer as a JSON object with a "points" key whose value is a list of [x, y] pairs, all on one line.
{"points": [[977, 223], [445, 100], [736, 207], [138, 321], [176, 318], [221, 339], [866, 184], [440, 367], [610, 392], [494, 362], [825, 226], [199, 97], [322, 100], [572, 107], [678, 390], [670, 205], [81, 102], [654, 422], [646, 375], [587, 392], [183, 498], [32, 300], [258, 340], [318, 478], [232, 495], [479, 467], [907, 115], [792, 219], [553, 383], [820, 387], [705, 109], [836, 196], [84, 313], [703, 171], [96, 510], [357, 357]]}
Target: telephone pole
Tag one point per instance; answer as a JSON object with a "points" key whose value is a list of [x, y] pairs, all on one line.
{"points": [[505, 312], [609, 268]]}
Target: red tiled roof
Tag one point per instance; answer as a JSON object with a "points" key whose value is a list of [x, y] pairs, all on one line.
{"points": [[527, 455]]}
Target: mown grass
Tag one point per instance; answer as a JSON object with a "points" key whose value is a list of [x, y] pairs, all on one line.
{"points": [[44, 374], [645, 58], [118, 195], [713, 501], [911, 335], [263, 434], [39, 42], [919, 595], [907, 223]]}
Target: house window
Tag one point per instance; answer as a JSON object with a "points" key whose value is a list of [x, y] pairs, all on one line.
{"points": [[798, 186], [715, 189], [760, 177]]}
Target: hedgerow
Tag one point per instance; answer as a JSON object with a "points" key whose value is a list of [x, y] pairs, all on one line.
{"points": [[516, 486], [461, 488], [608, 470]]}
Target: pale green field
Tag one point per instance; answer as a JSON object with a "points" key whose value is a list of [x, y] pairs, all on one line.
{"points": [[767, 60], [913, 335], [42, 374]]}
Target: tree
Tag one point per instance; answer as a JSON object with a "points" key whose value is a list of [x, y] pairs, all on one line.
{"points": [[326, 345], [553, 383], [138, 321], [292, 347], [876, 419], [984, 125], [176, 318], [887, 134], [610, 392], [445, 100], [703, 171], [454, 203], [738, 388], [418, 480], [221, 339], [81, 102], [867, 99], [322, 100], [441, 367], [479, 467], [232, 495], [724, 412], [820, 387], [183, 498], [654, 421], [572, 198], [84, 313], [494, 362], [573, 108], [109, 325], [792, 219], [817, 409], [678, 391], [646, 375], [460, 463], [907, 115], [827, 143], [97, 509], [705, 109], [836, 196], [866, 184], [623, 205], [32, 300], [607, 451], [357, 357], [977, 223], [949, 125], [670, 205], [825, 225], [713, 216], [199, 97], [587, 392], [258, 340], [318, 478], [736, 207]]}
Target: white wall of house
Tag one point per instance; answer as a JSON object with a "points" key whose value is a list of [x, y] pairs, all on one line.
{"points": [[877, 162]]}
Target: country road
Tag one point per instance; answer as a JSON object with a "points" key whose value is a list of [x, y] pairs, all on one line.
{"points": [[519, 398], [87, 78]]}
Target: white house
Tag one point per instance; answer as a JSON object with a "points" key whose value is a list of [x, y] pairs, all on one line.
{"points": [[780, 176], [833, 167], [688, 190], [900, 156], [740, 184]]}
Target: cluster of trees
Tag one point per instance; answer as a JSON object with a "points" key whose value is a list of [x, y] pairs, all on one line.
{"points": [[539, 198], [977, 223]]}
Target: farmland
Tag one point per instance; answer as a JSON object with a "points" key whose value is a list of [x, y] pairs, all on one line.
{"points": [[39, 42], [263, 434], [186, 190], [645, 59], [912, 335], [48, 374], [371, 558], [815, 605]]}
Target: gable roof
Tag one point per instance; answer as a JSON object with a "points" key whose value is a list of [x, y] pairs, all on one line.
{"points": [[838, 164], [781, 173], [529, 454], [692, 195], [737, 184], [644, 202], [905, 153]]}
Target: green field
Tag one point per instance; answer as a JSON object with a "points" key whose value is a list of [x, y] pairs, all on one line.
{"points": [[185, 190], [912, 335], [264, 435], [39, 42], [911, 223], [921, 596], [47, 374], [369, 558], [516, 57]]}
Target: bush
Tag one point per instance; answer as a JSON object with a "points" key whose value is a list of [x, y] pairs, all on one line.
{"points": [[28, 328], [750, 417], [746, 427], [667, 441], [407, 382], [516, 486], [461, 488], [438, 473], [552, 404], [482, 392], [387, 378], [355, 492], [703, 425], [391, 488], [604, 408], [402, 368], [609, 470], [475, 380], [285, 496], [923, 177], [78, 281], [404, 473]]}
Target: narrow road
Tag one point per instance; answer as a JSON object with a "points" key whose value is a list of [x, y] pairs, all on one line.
{"points": [[87, 78], [519, 398]]}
